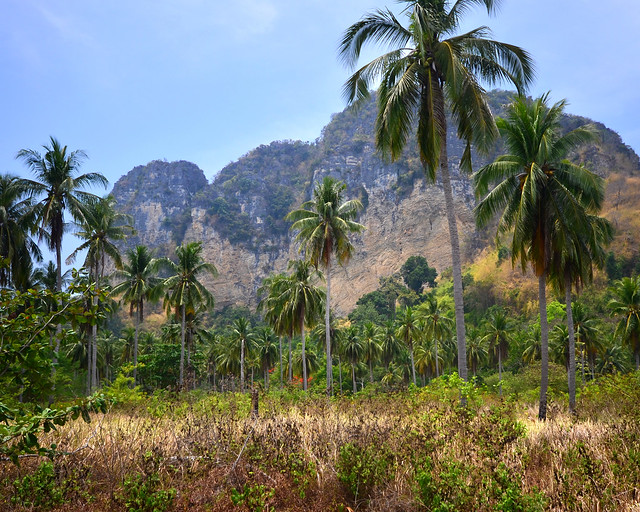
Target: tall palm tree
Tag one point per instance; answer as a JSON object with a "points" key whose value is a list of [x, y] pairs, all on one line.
{"points": [[183, 288], [301, 303], [324, 224], [139, 283], [588, 337], [372, 340], [408, 331], [540, 196], [100, 227], [57, 179], [352, 348], [498, 329], [437, 325], [266, 348], [16, 224], [626, 306], [431, 69], [243, 337]]}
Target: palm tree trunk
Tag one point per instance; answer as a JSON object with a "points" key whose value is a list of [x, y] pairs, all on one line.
{"points": [[340, 373], [327, 327], [290, 359], [500, 369], [304, 361], [413, 366], [181, 381], [572, 345], [242, 365], [370, 371], [281, 368], [135, 347], [544, 346], [456, 264], [353, 378], [437, 367]]}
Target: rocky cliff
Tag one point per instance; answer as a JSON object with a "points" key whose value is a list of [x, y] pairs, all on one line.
{"points": [[239, 216]]}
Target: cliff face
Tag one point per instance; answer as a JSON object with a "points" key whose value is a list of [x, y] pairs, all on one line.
{"points": [[239, 216]]}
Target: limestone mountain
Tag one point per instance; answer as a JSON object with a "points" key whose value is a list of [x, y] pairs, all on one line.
{"points": [[239, 215]]}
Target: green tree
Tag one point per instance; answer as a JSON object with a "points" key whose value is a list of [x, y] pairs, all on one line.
{"points": [[57, 179], [538, 194], [267, 350], [372, 340], [626, 306], [353, 349], [184, 289], [16, 224], [302, 303], [428, 69], [437, 325], [408, 331], [416, 272], [498, 329], [243, 337], [324, 225], [139, 283], [99, 227]]}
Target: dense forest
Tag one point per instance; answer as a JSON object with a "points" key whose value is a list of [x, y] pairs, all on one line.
{"points": [[507, 381]]}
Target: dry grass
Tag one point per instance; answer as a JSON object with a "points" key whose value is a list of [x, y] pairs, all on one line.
{"points": [[293, 457]]}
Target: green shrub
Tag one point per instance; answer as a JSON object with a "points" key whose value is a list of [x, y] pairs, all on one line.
{"points": [[39, 490], [141, 494], [363, 468], [254, 497]]}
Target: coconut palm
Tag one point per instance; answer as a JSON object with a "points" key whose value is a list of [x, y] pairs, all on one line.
{"points": [[391, 346], [183, 288], [437, 325], [626, 306], [57, 179], [498, 329], [324, 224], [243, 337], [266, 349], [372, 340], [301, 303], [139, 283], [408, 331], [16, 224], [352, 348], [539, 195], [588, 337], [428, 70], [100, 227], [476, 350]]}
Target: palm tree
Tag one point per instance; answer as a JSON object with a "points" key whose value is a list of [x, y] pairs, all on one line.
{"points": [[428, 69], [242, 336], [266, 349], [57, 179], [301, 303], [626, 305], [183, 288], [391, 346], [498, 329], [352, 348], [476, 351], [437, 325], [588, 337], [139, 284], [409, 333], [372, 340], [99, 227], [532, 345], [540, 195], [16, 223], [324, 225]]}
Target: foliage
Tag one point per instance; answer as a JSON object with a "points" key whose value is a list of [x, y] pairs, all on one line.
{"points": [[254, 497], [362, 468], [141, 493], [416, 272], [39, 489]]}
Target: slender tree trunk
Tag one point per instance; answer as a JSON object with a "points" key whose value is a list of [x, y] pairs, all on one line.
{"points": [[437, 367], [353, 378], [340, 373], [544, 346], [242, 365], [304, 359], [456, 264], [370, 371], [413, 366], [572, 344], [281, 368], [327, 327], [500, 369], [290, 358], [89, 373], [584, 380], [181, 382], [135, 345]]}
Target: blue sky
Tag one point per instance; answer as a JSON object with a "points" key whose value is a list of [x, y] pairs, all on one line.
{"points": [[130, 81]]}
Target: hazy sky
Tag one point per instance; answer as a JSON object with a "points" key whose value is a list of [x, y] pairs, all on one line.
{"points": [[130, 81]]}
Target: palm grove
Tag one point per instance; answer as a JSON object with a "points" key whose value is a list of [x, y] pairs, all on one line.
{"points": [[60, 343]]}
